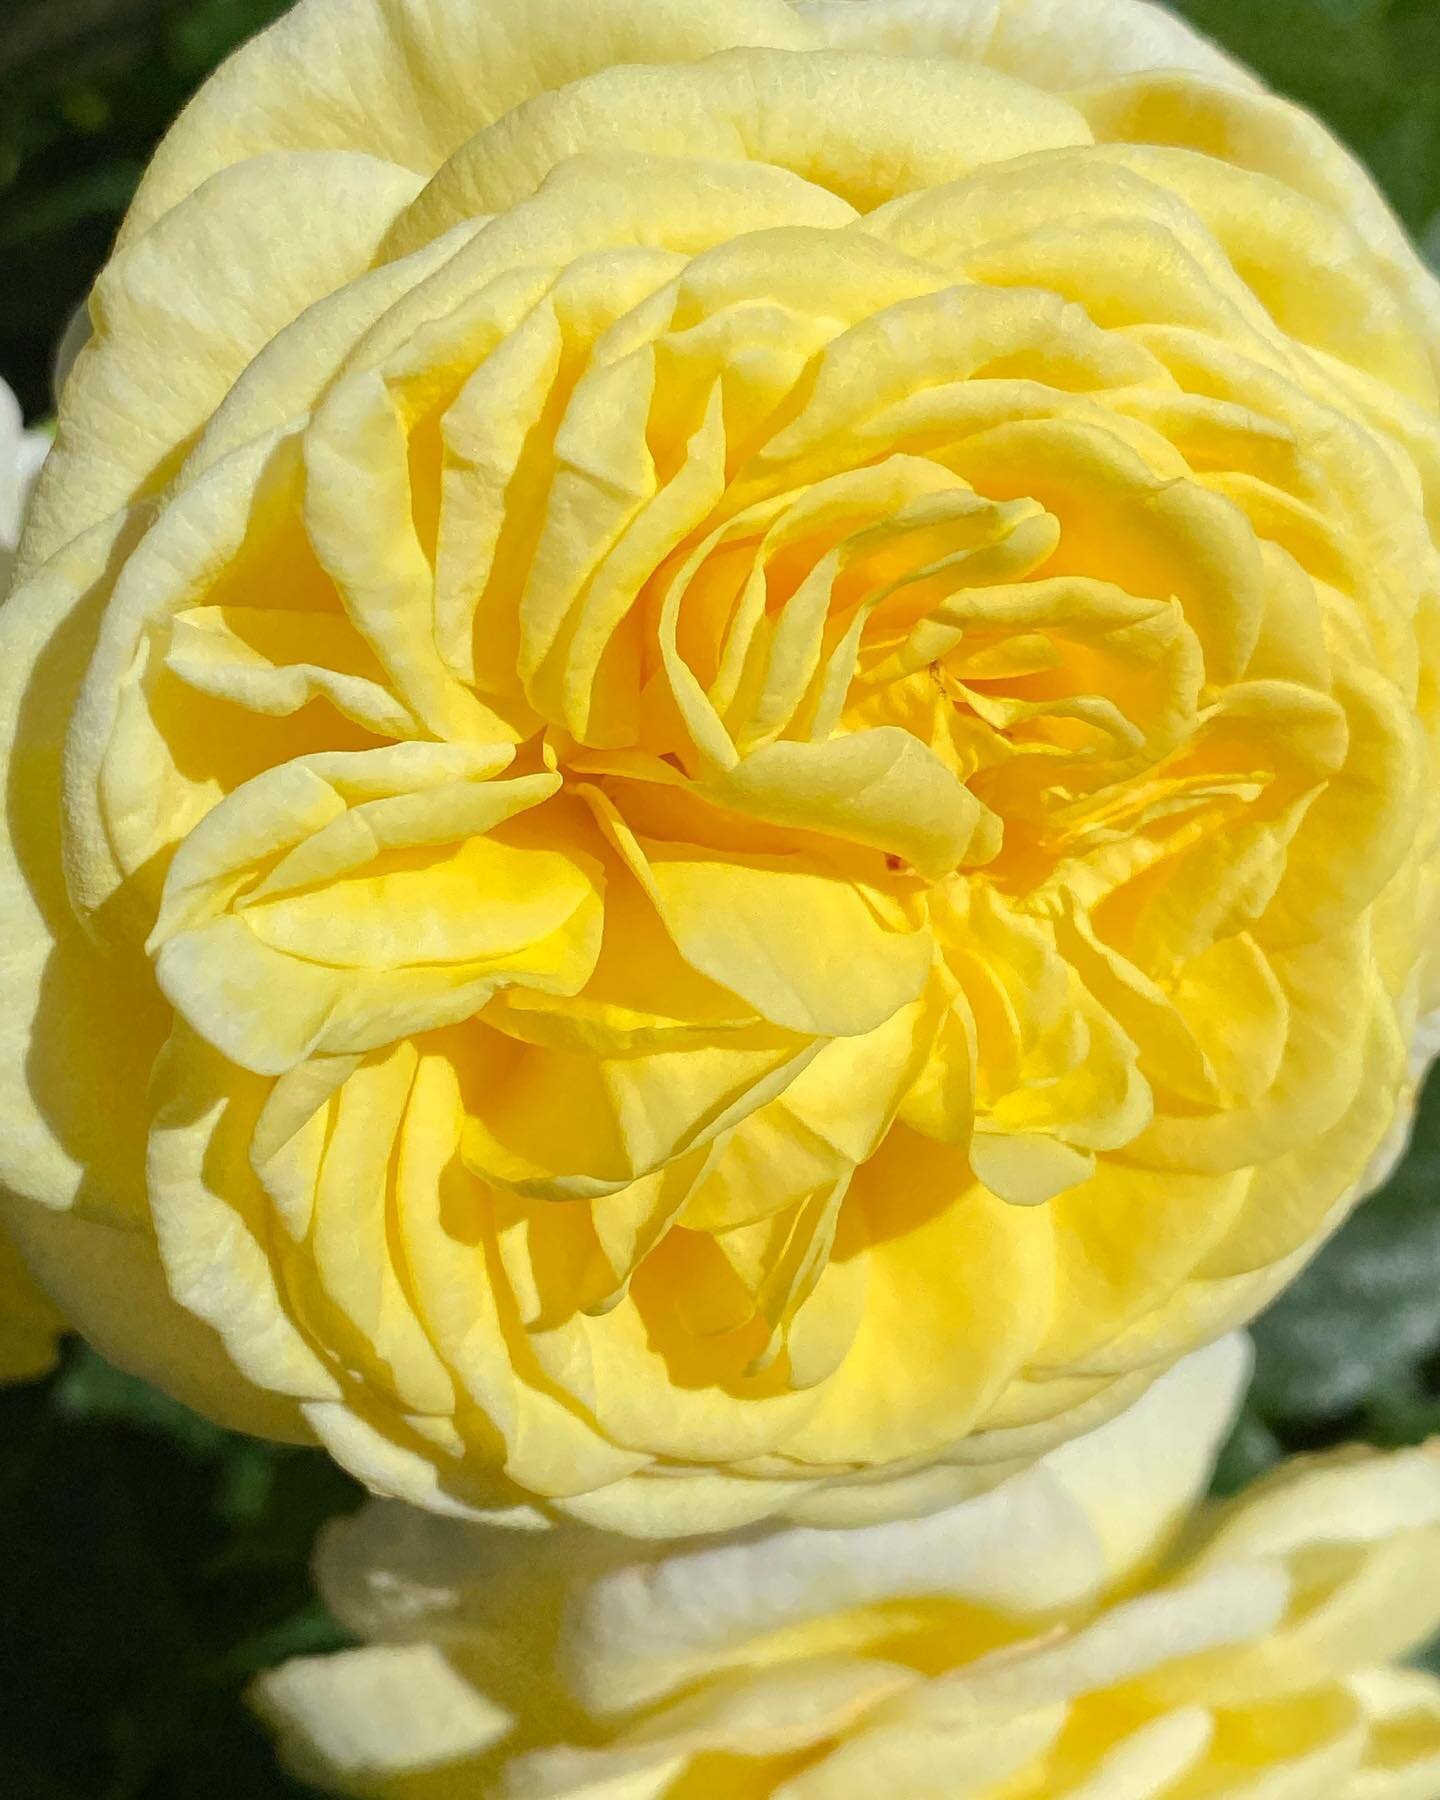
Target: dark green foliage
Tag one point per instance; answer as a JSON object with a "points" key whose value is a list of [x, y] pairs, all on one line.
{"points": [[151, 1562], [86, 88]]}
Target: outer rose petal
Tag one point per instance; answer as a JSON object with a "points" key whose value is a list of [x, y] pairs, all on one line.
{"points": [[29, 1324], [463, 68], [113, 1276], [992, 1645], [730, 808], [374, 1713], [1044, 41], [179, 302]]}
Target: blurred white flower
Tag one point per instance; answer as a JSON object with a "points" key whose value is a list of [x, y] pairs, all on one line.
{"points": [[1091, 1630], [21, 454]]}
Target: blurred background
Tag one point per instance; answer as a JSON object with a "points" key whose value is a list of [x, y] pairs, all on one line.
{"points": [[150, 1564]]}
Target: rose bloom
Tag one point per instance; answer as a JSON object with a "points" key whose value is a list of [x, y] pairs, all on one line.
{"points": [[720, 728], [1082, 1630], [29, 1325]]}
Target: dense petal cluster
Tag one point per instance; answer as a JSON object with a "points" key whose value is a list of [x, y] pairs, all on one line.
{"points": [[721, 727], [1073, 1633]]}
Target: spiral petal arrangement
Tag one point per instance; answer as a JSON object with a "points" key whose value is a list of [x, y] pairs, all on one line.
{"points": [[721, 731]]}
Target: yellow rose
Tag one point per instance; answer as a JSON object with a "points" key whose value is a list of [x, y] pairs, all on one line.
{"points": [[721, 735], [29, 1325], [1080, 1631]]}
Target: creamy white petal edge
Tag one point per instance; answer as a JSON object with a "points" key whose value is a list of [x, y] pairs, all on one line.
{"points": [[1088, 1631]]}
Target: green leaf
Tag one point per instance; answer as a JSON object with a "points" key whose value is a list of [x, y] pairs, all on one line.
{"points": [[1429, 1657], [158, 1563], [1250, 1450], [88, 1387]]}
